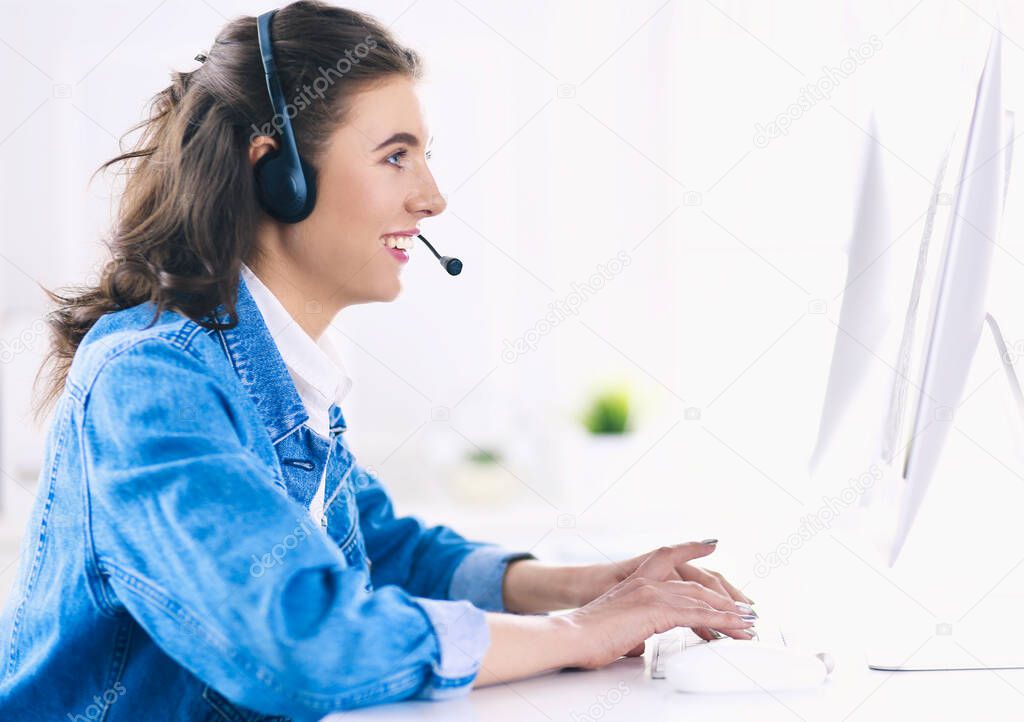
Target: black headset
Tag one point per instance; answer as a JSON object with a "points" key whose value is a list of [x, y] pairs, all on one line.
{"points": [[286, 183]]}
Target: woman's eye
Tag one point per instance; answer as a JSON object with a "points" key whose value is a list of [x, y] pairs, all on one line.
{"points": [[397, 154]]}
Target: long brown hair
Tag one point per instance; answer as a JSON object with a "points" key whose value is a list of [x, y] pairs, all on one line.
{"points": [[188, 214]]}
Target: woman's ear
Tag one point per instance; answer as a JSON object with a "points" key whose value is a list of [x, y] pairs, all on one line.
{"points": [[260, 146]]}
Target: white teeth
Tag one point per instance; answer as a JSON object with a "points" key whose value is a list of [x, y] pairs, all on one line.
{"points": [[402, 242]]}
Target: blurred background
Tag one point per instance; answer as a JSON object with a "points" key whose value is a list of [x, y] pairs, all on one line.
{"points": [[652, 201]]}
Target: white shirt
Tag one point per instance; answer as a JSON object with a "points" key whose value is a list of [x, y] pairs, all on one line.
{"points": [[316, 367]]}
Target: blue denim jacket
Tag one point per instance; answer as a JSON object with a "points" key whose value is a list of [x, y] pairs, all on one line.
{"points": [[171, 571]]}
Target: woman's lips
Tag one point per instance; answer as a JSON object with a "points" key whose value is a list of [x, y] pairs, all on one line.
{"points": [[403, 243], [399, 254]]}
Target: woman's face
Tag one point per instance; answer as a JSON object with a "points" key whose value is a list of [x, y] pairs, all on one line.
{"points": [[372, 182]]}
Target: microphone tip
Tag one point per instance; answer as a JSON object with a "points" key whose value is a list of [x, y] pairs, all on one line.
{"points": [[453, 266]]}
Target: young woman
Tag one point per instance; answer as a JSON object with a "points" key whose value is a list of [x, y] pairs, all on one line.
{"points": [[204, 545]]}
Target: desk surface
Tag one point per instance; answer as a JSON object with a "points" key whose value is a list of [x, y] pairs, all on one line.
{"points": [[815, 592], [624, 691]]}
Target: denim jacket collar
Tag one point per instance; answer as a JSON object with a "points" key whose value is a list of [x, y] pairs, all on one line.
{"points": [[261, 369], [315, 366]]}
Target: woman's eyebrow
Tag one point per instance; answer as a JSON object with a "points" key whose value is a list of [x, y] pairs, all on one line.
{"points": [[403, 137]]}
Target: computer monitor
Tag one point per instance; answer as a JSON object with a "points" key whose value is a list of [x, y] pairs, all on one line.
{"points": [[905, 430], [925, 384], [958, 315]]}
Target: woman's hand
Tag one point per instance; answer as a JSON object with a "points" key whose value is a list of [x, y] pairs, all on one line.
{"points": [[615, 621], [664, 564], [618, 621]]}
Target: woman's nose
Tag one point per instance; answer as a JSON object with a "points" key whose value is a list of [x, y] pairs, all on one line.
{"points": [[429, 201]]}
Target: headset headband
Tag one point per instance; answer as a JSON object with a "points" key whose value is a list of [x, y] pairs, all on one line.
{"points": [[294, 192]]}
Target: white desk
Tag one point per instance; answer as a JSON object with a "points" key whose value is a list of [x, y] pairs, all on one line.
{"points": [[624, 690], [854, 693]]}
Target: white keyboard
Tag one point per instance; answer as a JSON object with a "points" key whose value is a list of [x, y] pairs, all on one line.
{"points": [[668, 644]]}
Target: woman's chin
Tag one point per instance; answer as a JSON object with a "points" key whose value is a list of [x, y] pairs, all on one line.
{"points": [[382, 294], [392, 293]]}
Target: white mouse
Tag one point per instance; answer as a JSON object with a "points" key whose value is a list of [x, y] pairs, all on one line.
{"points": [[734, 665]]}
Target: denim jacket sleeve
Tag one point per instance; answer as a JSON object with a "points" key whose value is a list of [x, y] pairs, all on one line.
{"points": [[433, 562], [177, 508]]}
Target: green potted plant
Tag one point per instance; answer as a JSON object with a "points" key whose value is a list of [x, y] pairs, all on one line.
{"points": [[608, 412], [602, 446]]}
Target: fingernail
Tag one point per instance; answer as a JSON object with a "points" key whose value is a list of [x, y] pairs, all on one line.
{"points": [[746, 608], [709, 541], [748, 617]]}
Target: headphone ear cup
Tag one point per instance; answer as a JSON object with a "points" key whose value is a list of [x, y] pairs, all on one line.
{"points": [[268, 171], [263, 171], [309, 172]]}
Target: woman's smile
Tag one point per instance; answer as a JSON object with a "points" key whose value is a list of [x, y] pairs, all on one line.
{"points": [[399, 244]]}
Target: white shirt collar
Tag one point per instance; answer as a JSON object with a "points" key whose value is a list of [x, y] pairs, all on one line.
{"points": [[316, 367]]}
